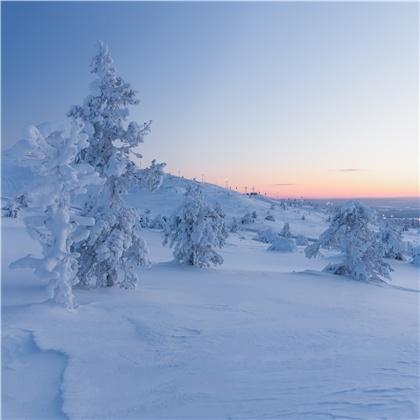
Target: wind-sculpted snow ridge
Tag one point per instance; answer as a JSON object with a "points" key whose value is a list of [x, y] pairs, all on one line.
{"points": [[254, 338], [41, 372]]}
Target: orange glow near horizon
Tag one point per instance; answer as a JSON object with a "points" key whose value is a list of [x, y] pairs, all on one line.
{"points": [[328, 187]]}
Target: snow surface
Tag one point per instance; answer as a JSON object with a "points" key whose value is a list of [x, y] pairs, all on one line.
{"points": [[265, 335]]}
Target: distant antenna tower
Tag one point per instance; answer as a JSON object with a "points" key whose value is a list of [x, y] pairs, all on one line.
{"points": [[227, 184], [246, 190], [202, 178]]}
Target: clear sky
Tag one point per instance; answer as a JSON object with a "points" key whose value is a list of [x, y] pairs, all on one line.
{"points": [[295, 99]]}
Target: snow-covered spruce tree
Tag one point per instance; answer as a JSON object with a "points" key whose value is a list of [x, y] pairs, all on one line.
{"points": [[196, 230], [391, 238], [50, 217], [115, 249], [352, 231]]}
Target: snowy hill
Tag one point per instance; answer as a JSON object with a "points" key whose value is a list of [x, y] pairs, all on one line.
{"points": [[265, 335], [171, 195]]}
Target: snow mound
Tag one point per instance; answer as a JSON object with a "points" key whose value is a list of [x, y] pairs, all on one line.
{"points": [[283, 245]]}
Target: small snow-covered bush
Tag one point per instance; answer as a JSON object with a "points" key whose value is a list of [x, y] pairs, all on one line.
{"points": [[352, 231], [158, 222], [267, 236], [145, 220], [285, 232], [270, 218], [196, 230], [248, 218], [415, 256], [301, 240], [281, 244], [234, 225], [391, 238]]}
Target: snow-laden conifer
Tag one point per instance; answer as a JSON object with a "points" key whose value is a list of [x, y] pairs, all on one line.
{"points": [[196, 231], [50, 217], [115, 249], [391, 237], [352, 231]]}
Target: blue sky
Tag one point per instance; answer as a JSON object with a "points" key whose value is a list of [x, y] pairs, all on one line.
{"points": [[285, 97]]}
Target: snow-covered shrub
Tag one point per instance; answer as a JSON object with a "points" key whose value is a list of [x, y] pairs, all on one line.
{"points": [[49, 217], [247, 219], [234, 225], [281, 244], [270, 218], [196, 230], [303, 217], [415, 256], [267, 236], [301, 240], [115, 250], [352, 231], [285, 232], [158, 222], [145, 220], [13, 207], [391, 238]]}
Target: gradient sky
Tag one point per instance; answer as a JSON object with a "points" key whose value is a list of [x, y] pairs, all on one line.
{"points": [[295, 99]]}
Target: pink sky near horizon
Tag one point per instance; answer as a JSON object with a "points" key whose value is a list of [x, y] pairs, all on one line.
{"points": [[334, 184]]}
